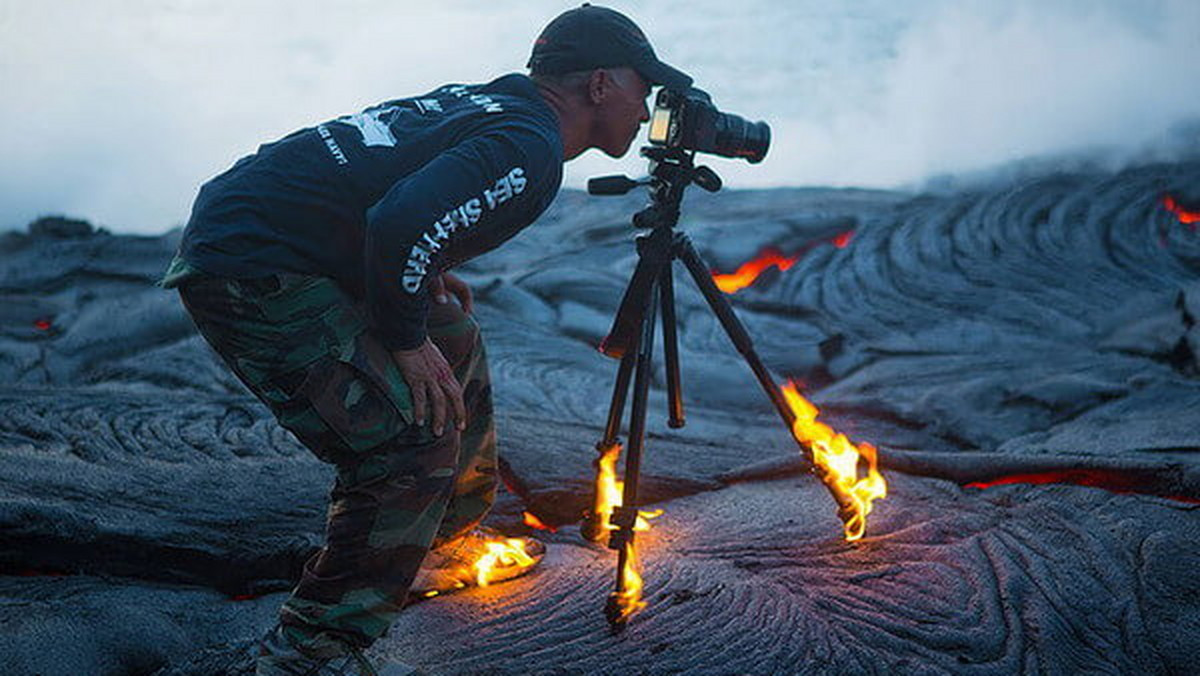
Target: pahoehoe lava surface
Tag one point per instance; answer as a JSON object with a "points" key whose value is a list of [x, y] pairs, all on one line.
{"points": [[150, 509]]}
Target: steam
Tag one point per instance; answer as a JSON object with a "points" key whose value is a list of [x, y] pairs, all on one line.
{"points": [[970, 89], [117, 112]]}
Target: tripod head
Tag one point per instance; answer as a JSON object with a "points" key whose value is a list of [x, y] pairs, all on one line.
{"points": [[671, 171]]}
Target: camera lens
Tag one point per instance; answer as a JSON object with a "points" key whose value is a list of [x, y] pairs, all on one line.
{"points": [[738, 137]]}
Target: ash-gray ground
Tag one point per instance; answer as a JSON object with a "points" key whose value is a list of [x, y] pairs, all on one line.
{"points": [[152, 512]]}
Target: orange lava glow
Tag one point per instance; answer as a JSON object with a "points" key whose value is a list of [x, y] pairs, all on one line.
{"points": [[505, 552], [531, 520], [749, 271], [42, 325], [842, 240], [1116, 481], [1185, 216], [837, 460]]}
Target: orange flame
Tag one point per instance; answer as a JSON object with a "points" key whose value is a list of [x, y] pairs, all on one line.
{"points": [[629, 600], [749, 271], [609, 491], [837, 460], [609, 495], [1185, 216], [506, 552], [532, 521]]}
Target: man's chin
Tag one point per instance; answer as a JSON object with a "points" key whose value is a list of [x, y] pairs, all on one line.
{"points": [[618, 153]]}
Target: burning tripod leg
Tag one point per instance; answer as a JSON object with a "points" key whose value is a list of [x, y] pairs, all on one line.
{"points": [[627, 599], [833, 457], [617, 501], [607, 489]]}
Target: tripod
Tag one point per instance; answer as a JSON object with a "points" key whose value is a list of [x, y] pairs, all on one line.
{"points": [[631, 340]]}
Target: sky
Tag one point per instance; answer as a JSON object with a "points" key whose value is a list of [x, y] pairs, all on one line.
{"points": [[116, 111]]}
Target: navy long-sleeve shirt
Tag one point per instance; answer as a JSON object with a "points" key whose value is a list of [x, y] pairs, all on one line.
{"points": [[384, 200]]}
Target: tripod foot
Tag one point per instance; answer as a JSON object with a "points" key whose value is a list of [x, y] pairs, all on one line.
{"points": [[615, 613], [592, 527]]}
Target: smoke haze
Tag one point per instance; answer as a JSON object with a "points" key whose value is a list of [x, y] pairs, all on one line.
{"points": [[118, 111]]}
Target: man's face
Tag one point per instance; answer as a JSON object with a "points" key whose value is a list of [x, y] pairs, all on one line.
{"points": [[622, 112]]}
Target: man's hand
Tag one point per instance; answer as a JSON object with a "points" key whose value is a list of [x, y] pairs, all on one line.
{"points": [[445, 284], [431, 381]]}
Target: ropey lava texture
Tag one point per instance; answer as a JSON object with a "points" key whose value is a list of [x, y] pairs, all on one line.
{"points": [[1043, 330]]}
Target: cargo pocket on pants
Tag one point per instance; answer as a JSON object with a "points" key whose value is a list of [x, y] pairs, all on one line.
{"points": [[359, 401]]}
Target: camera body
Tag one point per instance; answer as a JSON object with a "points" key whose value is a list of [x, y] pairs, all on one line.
{"points": [[691, 121]]}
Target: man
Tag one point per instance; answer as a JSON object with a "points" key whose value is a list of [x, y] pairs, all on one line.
{"points": [[310, 268]]}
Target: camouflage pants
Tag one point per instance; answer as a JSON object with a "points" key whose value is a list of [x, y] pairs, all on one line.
{"points": [[301, 345]]}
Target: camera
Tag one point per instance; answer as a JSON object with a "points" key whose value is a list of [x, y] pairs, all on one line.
{"points": [[691, 121]]}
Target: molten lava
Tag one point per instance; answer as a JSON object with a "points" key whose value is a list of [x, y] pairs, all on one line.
{"points": [[1185, 216], [843, 240], [749, 271], [1116, 481], [530, 519], [506, 552], [837, 461]]}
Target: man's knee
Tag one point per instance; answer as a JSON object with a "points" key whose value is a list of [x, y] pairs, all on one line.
{"points": [[455, 333]]}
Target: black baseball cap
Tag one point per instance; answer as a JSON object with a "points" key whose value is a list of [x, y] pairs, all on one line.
{"points": [[598, 37]]}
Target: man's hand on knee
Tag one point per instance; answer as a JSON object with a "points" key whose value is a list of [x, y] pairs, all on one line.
{"points": [[432, 382]]}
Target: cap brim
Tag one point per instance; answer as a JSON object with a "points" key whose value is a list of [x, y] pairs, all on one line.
{"points": [[660, 73]]}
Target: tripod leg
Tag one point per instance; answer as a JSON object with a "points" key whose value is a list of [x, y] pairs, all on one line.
{"points": [[626, 600], [594, 526], [654, 251], [671, 347], [737, 333], [686, 252]]}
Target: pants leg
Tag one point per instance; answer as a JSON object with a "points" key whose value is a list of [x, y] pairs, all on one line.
{"points": [[301, 345], [383, 516], [457, 335]]}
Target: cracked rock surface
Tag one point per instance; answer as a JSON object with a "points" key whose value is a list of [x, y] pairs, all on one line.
{"points": [[1044, 330]]}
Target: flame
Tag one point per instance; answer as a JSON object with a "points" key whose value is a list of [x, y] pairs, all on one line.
{"points": [[838, 459], [42, 324], [609, 491], [505, 552], [1184, 215], [530, 519], [609, 495], [749, 271], [629, 600]]}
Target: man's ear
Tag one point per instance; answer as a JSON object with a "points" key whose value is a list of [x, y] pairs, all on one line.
{"points": [[599, 84]]}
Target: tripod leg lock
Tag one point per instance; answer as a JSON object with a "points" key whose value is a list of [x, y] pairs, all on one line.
{"points": [[624, 519]]}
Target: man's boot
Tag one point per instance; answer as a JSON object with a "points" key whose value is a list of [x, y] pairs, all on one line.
{"points": [[278, 657], [482, 556]]}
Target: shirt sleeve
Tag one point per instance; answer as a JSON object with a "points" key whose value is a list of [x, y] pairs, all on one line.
{"points": [[483, 185]]}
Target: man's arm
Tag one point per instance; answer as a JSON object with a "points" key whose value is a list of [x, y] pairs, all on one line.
{"points": [[482, 186]]}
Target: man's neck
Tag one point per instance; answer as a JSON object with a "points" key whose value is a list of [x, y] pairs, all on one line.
{"points": [[572, 125]]}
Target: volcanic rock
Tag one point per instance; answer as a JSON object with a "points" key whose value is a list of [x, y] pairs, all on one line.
{"points": [[1024, 356]]}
